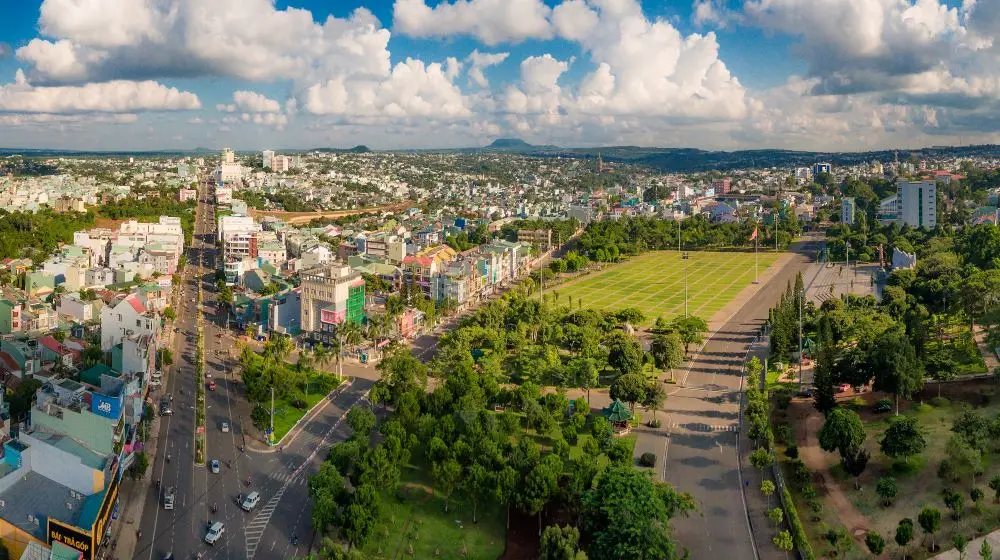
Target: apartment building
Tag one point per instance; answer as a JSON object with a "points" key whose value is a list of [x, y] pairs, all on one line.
{"points": [[914, 204], [420, 269], [540, 237], [330, 295], [127, 318]]}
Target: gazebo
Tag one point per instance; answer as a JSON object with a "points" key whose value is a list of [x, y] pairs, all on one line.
{"points": [[619, 415]]}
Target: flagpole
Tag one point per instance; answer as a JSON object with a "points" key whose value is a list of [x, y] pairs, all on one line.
{"points": [[756, 244]]}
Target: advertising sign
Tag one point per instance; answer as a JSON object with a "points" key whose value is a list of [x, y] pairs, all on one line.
{"points": [[71, 537], [107, 507], [108, 407]]}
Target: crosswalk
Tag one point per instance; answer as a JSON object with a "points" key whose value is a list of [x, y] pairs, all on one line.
{"points": [[700, 427], [255, 529]]}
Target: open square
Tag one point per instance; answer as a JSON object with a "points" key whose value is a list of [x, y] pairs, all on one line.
{"points": [[654, 282]]}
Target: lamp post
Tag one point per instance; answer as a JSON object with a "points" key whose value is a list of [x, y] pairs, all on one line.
{"points": [[802, 297], [685, 256]]}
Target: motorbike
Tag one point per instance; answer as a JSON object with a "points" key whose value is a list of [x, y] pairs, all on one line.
{"points": [[168, 457], [295, 540], [249, 481], [215, 508]]}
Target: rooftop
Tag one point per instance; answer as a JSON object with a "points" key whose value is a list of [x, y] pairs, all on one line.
{"points": [[41, 498]]}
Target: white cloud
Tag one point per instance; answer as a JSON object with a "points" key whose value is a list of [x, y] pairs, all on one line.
{"points": [[490, 21], [226, 108], [247, 39], [108, 97], [255, 103], [480, 61]]}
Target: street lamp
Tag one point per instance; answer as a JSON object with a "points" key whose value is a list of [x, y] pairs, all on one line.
{"points": [[802, 297], [684, 257]]}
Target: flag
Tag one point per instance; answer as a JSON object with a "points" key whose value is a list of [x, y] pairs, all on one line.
{"points": [[754, 236]]}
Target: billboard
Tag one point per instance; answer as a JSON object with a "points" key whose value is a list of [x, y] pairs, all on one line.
{"points": [[71, 537], [107, 506], [108, 407]]}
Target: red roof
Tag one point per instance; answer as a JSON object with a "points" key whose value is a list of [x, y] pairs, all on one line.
{"points": [[52, 344], [8, 362], [136, 304]]}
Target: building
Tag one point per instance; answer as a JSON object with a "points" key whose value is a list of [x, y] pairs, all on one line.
{"points": [[129, 317], [330, 295], [540, 237], [223, 195], [902, 259], [268, 156], [914, 204], [185, 195], [280, 164], [228, 156], [818, 168], [722, 186], [847, 210]]}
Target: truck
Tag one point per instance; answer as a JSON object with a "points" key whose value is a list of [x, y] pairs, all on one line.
{"points": [[168, 498]]}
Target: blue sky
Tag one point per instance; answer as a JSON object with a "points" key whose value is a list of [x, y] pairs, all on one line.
{"points": [[719, 74]]}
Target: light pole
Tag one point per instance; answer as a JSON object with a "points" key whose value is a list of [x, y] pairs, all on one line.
{"points": [[684, 256]]}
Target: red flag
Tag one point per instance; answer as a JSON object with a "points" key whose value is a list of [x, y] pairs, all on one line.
{"points": [[754, 236]]}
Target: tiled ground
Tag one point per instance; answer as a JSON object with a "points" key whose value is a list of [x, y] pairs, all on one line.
{"points": [[654, 283]]}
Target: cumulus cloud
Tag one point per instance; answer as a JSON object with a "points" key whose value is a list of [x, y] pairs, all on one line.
{"points": [[480, 61], [255, 103], [118, 96], [247, 39], [490, 21]]}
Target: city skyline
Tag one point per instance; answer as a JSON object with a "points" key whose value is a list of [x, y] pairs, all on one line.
{"points": [[836, 75]]}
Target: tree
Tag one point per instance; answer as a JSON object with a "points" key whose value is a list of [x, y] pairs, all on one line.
{"points": [[823, 397], [654, 397], [875, 543], [896, 366], [139, 465], [561, 543], [960, 542], [886, 489], [761, 458], [641, 535], [995, 486], [629, 388], [930, 521], [776, 515], [624, 353], [667, 351], [986, 551], [169, 313], [964, 456], [953, 501], [904, 532], [478, 484], [783, 541], [855, 464], [447, 475], [843, 431], [584, 374], [540, 485], [767, 488], [691, 330], [504, 484], [903, 438], [362, 421]]}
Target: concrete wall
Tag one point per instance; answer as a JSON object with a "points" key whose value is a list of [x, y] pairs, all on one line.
{"points": [[63, 467]]}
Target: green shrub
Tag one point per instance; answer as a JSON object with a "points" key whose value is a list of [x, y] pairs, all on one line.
{"points": [[783, 399], [795, 524], [939, 402], [783, 433], [857, 403], [792, 451], [647, 460]]}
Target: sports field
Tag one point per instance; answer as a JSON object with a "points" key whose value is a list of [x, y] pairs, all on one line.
{"points": [[654, 283]]}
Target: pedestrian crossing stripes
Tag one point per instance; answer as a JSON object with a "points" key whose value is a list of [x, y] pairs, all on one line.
{"points": [[698, 427]]}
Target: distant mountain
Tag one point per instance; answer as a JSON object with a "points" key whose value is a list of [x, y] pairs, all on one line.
{"points": [[509, 143], [359, 149]]}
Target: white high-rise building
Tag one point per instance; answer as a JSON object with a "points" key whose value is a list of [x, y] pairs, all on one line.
{"points": [[228, 156], [847, 209], [917, 202], [268, 158]]}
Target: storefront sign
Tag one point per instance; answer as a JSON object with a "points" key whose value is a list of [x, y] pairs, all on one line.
{"points": [[71, 537]]}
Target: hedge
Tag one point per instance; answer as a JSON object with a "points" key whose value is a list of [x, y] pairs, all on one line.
{"points": [[798, 532]]}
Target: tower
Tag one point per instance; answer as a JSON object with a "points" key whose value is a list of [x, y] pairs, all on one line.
{"points": [[600, 164]]}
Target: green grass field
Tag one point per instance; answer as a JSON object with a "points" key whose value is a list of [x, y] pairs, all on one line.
{"points": [[654, 283]]}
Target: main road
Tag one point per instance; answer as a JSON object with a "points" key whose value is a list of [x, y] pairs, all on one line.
{"points": [[699, 453], [279, 477]]}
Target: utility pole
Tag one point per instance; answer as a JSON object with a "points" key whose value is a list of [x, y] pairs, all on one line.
{"points": [[685, 258], [272, 412], [802, 297], [678, 236]]}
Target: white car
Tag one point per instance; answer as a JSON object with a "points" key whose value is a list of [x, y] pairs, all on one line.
{"points": [[214, 532], [215, 466], [225, 427]]}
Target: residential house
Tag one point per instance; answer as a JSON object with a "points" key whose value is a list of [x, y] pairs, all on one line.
{"points": [[129, 317], [330, 295]]}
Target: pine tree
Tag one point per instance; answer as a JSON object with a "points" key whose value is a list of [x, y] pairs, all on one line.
{"points": [[823, 398]]}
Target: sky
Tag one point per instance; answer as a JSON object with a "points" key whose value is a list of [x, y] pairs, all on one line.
{"points": [[824, 75]]}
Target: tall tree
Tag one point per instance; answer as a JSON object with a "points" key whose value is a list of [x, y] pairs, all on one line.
{"points": [[561, 543], [843, 431], [629, 388], [691, 330], [903, 438], [894, 361], [667, 351]]}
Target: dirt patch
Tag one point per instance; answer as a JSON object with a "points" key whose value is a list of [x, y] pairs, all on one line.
{"points": [[418, 492], [108, 223], [808, 422], [522, 537]]}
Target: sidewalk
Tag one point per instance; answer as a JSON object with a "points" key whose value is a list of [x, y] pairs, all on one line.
{"points": [[133, 504], [756, 503]]}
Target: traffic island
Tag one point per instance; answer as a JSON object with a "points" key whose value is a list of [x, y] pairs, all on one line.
{"points": [[200, 441]]}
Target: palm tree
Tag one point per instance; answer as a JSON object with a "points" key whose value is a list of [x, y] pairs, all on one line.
{"points": [[307, 359], [278, 348], [337, 352]]}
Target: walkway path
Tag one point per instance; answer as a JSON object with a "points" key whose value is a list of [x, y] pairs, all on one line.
{"points": [[989, 356]]}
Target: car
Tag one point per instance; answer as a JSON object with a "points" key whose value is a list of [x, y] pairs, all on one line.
{"points": [[214, 465], [211, 385], [883, 405], [225, 427], [214, 532], [168, 498], [250, 501]]}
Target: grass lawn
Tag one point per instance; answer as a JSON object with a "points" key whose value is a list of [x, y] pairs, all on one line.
{"points": [[415, 517], [918, 482], [286, 415], [654, 283]]}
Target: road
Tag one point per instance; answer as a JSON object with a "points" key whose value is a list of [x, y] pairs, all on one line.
{"points": [[699, 454], [280, 477]]}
